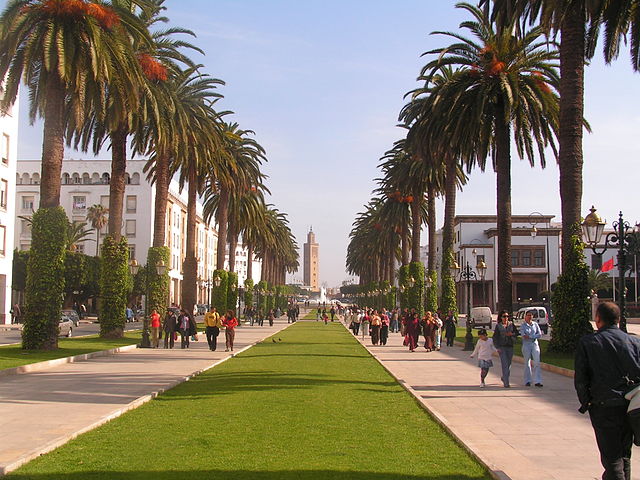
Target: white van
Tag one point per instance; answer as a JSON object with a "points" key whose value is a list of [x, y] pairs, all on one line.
{"points": [[540, 315], [481, 317]]}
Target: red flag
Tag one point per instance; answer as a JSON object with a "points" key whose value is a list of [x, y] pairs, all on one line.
{"points": [[608, 265]]}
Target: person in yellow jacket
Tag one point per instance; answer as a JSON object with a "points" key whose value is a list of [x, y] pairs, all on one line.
{"points": [[213, 323]]}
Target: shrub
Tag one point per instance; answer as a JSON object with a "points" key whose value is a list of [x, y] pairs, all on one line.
{"points": [[416, 293], [449, 300], [45, 279], [219, 293], [431, 301], [115, 284], [158, 287], [248, 292], [232, 290], [403, 275], [570, 301]]}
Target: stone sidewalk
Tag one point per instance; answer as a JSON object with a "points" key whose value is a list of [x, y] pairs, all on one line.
{"points": [[43, 410], [521, 433]]}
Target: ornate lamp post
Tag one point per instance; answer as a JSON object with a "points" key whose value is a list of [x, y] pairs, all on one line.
{"points": [[621, 238], [467, 274], [134, 268]]}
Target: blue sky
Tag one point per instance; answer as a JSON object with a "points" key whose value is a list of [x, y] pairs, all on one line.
{"points": [[322, 82]]}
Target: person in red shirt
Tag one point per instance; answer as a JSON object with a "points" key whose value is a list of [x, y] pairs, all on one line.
{"points": [[155, 328], [230, 322]]}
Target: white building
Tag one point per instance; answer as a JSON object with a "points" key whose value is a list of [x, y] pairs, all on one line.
{"points": [[86, 183], [8, 161], [535, 259]]}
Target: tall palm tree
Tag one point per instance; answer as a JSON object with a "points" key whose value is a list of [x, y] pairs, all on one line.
{"points": [[502, 83], [97, 215]]}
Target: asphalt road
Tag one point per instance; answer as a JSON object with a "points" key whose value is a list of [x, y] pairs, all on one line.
{"points": [[14, 336]]}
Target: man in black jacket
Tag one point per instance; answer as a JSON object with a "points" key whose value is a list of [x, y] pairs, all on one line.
{"points": [[607, 365]]}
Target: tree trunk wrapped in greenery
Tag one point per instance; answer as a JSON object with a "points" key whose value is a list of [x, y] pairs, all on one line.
{"points": [[416, 293], [278, 296], [115, 283], [431, 302], [449, 301], [158, 287], [403, 275], [232, 290], [219, 293], [262, 297], [570, 301], [75, 275], [270, 299], [45, 279], [248, 292]]}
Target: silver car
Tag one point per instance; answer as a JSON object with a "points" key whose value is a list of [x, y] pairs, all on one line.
{"points": [[65, 327]]}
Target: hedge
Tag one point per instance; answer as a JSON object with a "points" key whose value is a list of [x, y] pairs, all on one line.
{"points": [[115, 284]]}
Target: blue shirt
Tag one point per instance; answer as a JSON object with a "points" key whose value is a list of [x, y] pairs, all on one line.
{"points": [[532, 331]]}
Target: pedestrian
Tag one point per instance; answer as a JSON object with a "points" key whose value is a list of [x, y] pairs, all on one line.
{"points": [[450, 328], [393, 324], [155, 328], [184, 327], [318, 314], [170, 327], [357, 319], [530, 332], [332, 312], [16, 313], [271, 317], [437, 331], [504, 338], [129, 314], [384, 328], [212, 324], [411, 327], [366, 320], [429, 331], [230, 323], [376, 324], [484, 350], [607, 365], [325, 318]]}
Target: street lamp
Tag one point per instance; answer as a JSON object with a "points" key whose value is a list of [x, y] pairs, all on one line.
{"points": [[621, 238], [134, 268], [467, 274]]}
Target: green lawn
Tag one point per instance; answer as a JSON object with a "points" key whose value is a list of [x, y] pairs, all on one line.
{"points": [[14, 356], [312, 405], [564, 360]]}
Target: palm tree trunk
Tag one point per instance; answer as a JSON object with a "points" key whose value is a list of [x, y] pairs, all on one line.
{"points": [[503, 189], [162, 194], [52, 144], [97, 241], [223, 215], [249, 262], [404, 239], [117, 183], [233, 243], [190, 266], [263, 267], [431, 228], [450, 190], [391, 260], [416, 226], [570, 159]]}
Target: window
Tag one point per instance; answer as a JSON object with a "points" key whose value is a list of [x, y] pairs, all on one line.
{"points": [[5, 148], [80, 247], [79, 202], [130, 228], [27, 203], [3, 239], [104, 201], [525, 256], [4, 193], [515, 258], [538, 258], [131, 203], [132, 252], [25, 227]]}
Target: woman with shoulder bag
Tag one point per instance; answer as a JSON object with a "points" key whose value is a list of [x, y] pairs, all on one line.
{"points": [[504, 338]]}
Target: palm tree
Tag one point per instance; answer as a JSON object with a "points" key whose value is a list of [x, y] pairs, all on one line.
{"points": [[97, 215], [502, 82]]}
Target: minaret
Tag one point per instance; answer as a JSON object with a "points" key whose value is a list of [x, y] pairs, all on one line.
{"points": [[311, 261]]}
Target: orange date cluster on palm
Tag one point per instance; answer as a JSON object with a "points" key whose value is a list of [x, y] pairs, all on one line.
{"points": [[152, 68], [76, 9]]}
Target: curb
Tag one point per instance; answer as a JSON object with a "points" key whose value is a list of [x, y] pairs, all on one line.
{"points": [[495, 474], [543, 366], [130, 406], [36, 367]]}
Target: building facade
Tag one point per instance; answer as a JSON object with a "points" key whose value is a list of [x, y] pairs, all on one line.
{"points": [[311, 262], [8, 162], [86, 183], [535, 257]]}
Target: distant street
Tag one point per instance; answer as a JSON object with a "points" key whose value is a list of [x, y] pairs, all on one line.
{"points": [[14, 336]]}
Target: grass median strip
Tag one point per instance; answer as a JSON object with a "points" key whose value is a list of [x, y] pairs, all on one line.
{"points": [[309, 403], [14, 356]]}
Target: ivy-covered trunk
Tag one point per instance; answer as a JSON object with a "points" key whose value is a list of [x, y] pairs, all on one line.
{"points": [[115, 283], [158, 284], [190, 267], [232, 291], [222, 218], [117, 182], [219, 293], [449, 297], [45, 280], [233, 243], [163, 178], [248, 292]]}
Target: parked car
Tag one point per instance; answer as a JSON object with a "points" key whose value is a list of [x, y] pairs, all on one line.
{"points": [[540, 315], [480, 317], [65, 327], [73, 316]]}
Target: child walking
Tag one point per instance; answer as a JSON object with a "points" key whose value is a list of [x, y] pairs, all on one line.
{"points": [[484, 350]]}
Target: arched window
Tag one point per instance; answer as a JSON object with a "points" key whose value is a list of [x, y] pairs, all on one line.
{"points": [[135, 179], [86, 179], [66, 180], [95, 178], [76, 178], [26, 179], [127, 179], [35, 179], [105, 178]]}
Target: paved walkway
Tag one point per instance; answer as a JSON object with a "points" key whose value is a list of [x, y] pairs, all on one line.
{"points": [[522, 433], [43, 410]]}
